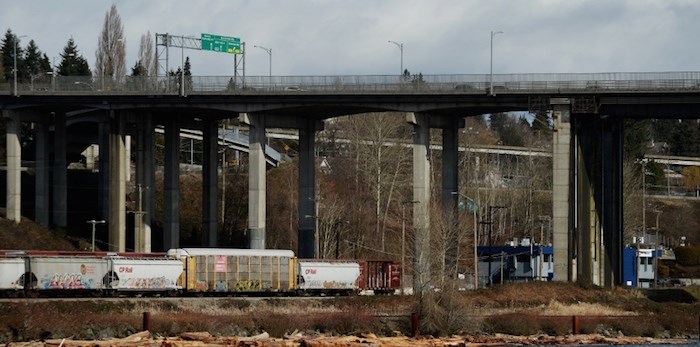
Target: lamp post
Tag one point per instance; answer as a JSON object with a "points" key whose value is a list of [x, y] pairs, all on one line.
{"points": [[93, 222], [644, 196], [269, 52], [14, 56], [490, 223], [400, 45], [656, 250], [493, 33]]}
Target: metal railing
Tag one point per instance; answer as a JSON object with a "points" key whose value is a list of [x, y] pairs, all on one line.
{"points": [[371, 84]]}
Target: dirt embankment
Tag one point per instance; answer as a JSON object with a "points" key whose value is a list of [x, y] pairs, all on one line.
{"points": [[540, 311]]}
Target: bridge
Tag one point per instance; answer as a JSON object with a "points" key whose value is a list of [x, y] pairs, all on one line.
{"points": [[588, 110]]}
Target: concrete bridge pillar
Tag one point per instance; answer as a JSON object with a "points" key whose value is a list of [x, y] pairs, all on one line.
{"points": [[307, 237], [421, 198], [60, 172], [450, 190], [210, 139], [145, 178], [14, 166], [598, 204], [117, 182], [171, 186], [612, 190], [256, 180], [41, 173], [564, 262], [103, 166]]}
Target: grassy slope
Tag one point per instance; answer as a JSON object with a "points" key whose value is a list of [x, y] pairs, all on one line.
{"points": [[29, 235]]}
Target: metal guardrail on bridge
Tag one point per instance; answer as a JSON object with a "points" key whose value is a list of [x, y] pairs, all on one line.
{"points": [[476, 84]]}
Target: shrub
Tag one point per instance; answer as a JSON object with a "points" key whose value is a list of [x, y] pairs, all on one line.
{"points": [[688, 255]]}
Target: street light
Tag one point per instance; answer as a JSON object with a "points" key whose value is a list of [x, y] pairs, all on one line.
{"points": [[493, 33], [269, 52], [656, 249], [14, 69], [400, 45], [93, 222]]}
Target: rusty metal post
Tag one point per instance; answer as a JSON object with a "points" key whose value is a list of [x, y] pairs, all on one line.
{"points": [[576, 325], [147, 321], [415, 319]]}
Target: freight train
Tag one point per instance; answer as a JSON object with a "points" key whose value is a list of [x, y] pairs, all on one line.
{"points": [[190, 272]]}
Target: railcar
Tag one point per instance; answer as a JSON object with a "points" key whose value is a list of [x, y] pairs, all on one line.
{"points": [[220, 271], [47, 273], [328, 277], [190, 271], [11, 271]]}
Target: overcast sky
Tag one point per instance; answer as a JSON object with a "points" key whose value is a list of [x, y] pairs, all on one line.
{"points": [[327, 37]]}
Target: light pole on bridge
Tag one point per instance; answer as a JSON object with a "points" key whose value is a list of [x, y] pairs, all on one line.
{"points": [[14, 57], [269, 52], [400, 45], [493, 33]]}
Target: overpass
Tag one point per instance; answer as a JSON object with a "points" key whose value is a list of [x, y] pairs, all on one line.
{"points": [[587, 153]]}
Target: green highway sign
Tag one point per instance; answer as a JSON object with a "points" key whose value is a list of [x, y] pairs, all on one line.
{"points": [[220, 43]]}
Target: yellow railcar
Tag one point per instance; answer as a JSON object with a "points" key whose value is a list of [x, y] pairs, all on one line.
{"points": [[229, 271]]}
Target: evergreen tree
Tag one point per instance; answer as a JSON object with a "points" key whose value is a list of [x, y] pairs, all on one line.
{"points": [[2, 67], [72, 63], [541, 122], [509, 129], [685, 135], [637, 137], [8, 46], [36, 63], [138, 69], [188, 75]]}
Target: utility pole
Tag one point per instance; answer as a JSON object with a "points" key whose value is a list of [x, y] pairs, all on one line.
{"points": [[490, 224]]}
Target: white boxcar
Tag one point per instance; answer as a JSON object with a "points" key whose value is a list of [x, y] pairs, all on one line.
{"points": [[329, 275], [145, 274], [11, 271], [69, 273]]}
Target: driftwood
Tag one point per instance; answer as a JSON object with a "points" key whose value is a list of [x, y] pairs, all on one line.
{"points": [[296, 339], [139, 339]]}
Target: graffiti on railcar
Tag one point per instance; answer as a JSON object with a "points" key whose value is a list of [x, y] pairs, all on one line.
{"points": [[146, 282], [248, 285], [66, 281]]}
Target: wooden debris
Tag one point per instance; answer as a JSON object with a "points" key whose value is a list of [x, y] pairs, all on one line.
{"points": [[296, 339]]}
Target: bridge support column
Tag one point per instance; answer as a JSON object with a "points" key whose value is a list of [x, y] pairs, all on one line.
{"points": [[450, 191], [256, 180], [421, 198], [599, 200], [612, 211], [561, 191], [307, 235], [145, 176], [171, 186], [14, 166], [103, 166], [117, 183], [210, 138], [60, 172], [41, 174]]}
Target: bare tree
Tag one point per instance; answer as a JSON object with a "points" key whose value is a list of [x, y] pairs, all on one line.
{"points": [[380, 158], [110, 63], [146, 55]]}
